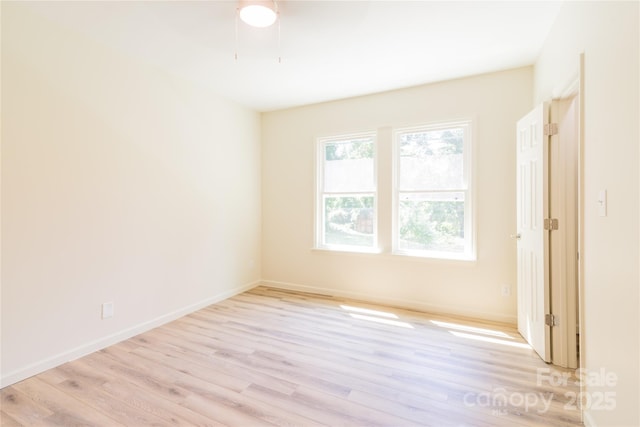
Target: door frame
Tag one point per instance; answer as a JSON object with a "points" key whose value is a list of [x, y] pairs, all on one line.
{"points": [[574, 88], [560, 202], [563, 243]]}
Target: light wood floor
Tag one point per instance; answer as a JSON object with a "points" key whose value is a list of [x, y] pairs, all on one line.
{"points": [[270, 357]]}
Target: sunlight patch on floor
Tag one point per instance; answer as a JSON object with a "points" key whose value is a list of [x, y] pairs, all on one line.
{"points": [[473, 329], [383, 317], [369, 311], [490, 339], [381, 320]]}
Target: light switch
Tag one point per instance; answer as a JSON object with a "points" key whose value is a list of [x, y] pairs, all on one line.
{"points": [[602, 203]]}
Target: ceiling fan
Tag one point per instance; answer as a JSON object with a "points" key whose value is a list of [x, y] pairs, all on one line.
{"points": [[258, 14]]}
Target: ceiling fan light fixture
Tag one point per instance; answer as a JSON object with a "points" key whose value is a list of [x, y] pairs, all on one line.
{"points": [[258, 14]]}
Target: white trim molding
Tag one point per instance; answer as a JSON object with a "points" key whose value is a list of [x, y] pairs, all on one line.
{"points": [[395, 302], [100, 343]]}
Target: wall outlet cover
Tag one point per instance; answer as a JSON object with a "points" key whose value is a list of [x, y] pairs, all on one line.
{"points": [[107, 310]]}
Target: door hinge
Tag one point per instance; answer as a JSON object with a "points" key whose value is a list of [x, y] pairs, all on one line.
{"points": [[550, 224], [550, 129], [550, 320]]}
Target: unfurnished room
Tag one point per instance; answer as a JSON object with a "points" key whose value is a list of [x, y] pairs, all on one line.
{"points": [[354, 213]]}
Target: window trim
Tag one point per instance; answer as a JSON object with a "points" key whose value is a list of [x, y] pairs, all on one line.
{"points": [[469, 253], [320, 194]]}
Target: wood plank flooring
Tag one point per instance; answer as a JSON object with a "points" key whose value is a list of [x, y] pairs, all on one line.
{"points": [[273, 357]]}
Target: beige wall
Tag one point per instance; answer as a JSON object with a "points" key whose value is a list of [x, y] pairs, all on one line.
{"points": [[607, 33], [495, 101], [115, 187], [119, 183]]}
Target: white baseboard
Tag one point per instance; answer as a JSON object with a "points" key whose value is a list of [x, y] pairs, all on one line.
{"points": [[99, 344], [402, 303]]}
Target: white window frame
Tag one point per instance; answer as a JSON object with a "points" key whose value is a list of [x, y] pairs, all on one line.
{"points": [[319, 219], [469, 252]]}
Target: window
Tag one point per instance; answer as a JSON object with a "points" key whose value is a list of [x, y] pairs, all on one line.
{"points": [[429, 212], [432, 200], [346, 205]]}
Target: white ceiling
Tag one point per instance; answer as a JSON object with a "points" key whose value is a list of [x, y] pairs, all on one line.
{"points": [[329, 49]]}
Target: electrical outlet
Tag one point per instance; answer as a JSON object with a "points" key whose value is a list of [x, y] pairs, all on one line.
{"points": [[506, 290], [107, 310]]}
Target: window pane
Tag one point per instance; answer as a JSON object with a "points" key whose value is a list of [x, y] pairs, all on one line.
{"points": [[349, 221], [432, 160], [432, 222], [348, 166]]}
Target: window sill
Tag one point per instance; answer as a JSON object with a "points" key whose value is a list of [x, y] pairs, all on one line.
{"points": [[348, 250], [436, 256], [413, 256]]}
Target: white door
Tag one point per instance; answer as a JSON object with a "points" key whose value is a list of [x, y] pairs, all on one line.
{"points": [[533, 239]]}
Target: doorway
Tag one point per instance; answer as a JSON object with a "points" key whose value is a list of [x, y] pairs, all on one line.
{"points": [[563, 242], [548, 223]]}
